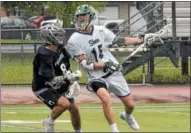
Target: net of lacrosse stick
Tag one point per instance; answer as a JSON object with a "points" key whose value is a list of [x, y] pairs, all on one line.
{"points": [[73, 77], [163, 33]]}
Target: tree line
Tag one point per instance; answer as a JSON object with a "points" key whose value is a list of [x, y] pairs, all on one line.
{"points": [[63, 9]]}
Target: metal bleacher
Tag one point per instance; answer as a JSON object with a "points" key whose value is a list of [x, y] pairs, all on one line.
{"points": [[182, 18], [157, 15]]}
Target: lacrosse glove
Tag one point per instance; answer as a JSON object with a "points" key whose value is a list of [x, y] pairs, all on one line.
{"points": [[56, 82], [110, 66], [149, 39], [73, 76]]}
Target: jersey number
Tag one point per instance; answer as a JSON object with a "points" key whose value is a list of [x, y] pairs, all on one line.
{"points": [[98, 52]]}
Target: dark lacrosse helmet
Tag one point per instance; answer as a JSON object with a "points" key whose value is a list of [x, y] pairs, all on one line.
{"points": [[53, 34]]}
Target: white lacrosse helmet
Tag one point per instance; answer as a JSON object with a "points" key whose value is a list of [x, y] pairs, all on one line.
{"points": [[84, 10]]}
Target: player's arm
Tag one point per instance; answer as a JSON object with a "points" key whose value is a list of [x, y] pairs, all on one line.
{"points": [[106, 66], [128, 41], [120, 41], [83, 60], [79, 55]]}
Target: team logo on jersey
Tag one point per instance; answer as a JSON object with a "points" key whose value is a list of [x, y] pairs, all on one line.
{"points": [[59, 59], [93, 42]]}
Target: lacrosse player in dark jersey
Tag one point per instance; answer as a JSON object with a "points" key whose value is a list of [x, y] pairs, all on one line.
{"points": [[52, 78]]}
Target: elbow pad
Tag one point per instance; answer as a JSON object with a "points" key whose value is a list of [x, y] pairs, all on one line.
{"points": [[119, 41], [87, 65]]}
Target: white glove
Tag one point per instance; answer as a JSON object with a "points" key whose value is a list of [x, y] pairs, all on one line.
{"points": [[73, 91], [149, 39], [74, 75]]}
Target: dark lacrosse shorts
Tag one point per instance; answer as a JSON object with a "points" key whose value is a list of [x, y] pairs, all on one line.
{"points": [[51, 96]]}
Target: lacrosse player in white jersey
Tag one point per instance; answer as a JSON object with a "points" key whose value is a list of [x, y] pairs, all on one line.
{"points": [[89, 46]]}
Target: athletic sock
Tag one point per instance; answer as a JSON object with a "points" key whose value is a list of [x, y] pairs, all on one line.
{"points": [[127, 113], [78, 131], [50, 120], [114, 128]]}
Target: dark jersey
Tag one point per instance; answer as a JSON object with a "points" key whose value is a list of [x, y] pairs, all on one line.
{"points": [[46, 65]]}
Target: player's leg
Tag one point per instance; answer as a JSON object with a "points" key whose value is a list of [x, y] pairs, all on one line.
{"points": [[121, 89], [75, 115], [73, 109], [57, 103], [127, 114], [99, 87]]}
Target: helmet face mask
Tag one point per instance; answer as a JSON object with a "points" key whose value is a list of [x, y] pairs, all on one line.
{"points": [[82, 23], [52, 34], [88, 13]]}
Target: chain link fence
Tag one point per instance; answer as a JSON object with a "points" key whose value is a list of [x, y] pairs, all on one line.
{"points": [[17, 54]]}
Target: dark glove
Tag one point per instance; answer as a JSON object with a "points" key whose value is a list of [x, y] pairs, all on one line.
{"points": [[110, 66]]}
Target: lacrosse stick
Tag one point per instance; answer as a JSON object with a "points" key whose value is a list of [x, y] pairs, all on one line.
{"points": [[74, 89], [164, 32], [154, 36]]}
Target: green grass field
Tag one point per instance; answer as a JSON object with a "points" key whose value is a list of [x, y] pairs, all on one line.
{"points": [[151, 117]]}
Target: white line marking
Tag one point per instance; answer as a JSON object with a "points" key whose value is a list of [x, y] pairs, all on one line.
{"points": [[22, 127], [26, 127], [10, 112], [99, 107], [31, 121]]}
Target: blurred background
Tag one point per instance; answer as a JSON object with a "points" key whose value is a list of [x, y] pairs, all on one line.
{"points": [[21, 21]]}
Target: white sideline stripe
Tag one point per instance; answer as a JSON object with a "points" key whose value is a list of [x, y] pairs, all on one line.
{"points": [[99, 107], [164, 110], [25, 127], [31, 121], [171, 112], [11, 112], [22, 127]]}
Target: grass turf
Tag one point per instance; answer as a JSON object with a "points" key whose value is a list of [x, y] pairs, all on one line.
{"points": [[151, 117]]}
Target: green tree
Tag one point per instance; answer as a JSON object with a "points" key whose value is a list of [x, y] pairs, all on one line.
{"points": [[63, 9], [66, 10], [30, 8]]}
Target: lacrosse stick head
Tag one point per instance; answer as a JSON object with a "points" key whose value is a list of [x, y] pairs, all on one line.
{"points": [[73, 91], [165, 32]]}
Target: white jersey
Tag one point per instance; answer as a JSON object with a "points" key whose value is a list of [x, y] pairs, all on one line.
{"points": [[94, 46]]}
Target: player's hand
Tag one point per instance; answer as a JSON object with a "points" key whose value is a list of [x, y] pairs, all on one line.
{"points": [[110, 66], [149, 39], [73, 76], [56, 82]]}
